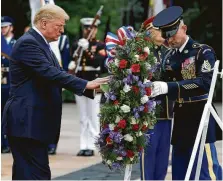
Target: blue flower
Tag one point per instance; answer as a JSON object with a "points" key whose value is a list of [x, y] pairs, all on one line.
{"points": [[136, 78], [118, 137], [141, 108], [113, 97], [136, 115], [116, 166]]}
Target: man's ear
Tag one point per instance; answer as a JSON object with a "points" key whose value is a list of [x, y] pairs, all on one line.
{"points": [[43, 24], [185, 28]]}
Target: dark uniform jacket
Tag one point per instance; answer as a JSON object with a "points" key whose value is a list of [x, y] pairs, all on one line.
{"points": [[5, 77], [92, 60], [189, 83], [166, 106], [64, 47], [35, 104]]}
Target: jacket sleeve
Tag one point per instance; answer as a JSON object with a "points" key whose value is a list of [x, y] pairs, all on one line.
{"points": [[201, 83], [30, 55], [99, 56]]}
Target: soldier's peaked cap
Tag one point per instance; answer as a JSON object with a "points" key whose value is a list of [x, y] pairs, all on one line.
{"points": [[168, 20], [6, 21], [89, 21]]}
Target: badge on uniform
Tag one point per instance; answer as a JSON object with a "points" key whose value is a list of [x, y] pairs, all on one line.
{"points": [[206, 66], [188, 68]]}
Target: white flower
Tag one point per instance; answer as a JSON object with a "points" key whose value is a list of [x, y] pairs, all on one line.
{"points": [[154, 103], [137, 57], [145, 123], [155, 60], [125, 108], [147, 50], [126, 88], [133, 121], [119, 158], [109, 162], [148, 66], [117, 119], [111, 126], [138, 134], [128, 138], [146, 81], [144, 99], [117, 62]]}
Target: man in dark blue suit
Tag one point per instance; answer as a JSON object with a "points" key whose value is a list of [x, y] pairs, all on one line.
{"points": [[32, 115]]}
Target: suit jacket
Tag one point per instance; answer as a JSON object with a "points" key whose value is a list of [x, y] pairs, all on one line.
{"points": [[35, 105]]}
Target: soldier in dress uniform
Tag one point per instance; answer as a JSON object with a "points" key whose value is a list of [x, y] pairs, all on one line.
{"points": [[155, 158], [89, 69], [189, 77], [7, 30], [64, 48], [7, 43]]}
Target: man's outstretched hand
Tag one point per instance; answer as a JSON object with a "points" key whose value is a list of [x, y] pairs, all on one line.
{"points": [[95, 84]]}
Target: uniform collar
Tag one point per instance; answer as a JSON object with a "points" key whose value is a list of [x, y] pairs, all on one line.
{"points": [[183, 46]]}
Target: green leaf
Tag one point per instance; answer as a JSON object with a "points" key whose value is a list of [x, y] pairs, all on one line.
{"points": [[104, 87]]}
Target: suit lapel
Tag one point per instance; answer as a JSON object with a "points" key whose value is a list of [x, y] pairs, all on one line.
{"points": [[45, 46]]}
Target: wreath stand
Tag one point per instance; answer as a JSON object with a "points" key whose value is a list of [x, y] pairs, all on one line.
{"points": [[202, 131]]}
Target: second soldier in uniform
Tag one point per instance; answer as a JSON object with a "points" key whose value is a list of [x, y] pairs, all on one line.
{"points": [[155, 157], [7, 43]]}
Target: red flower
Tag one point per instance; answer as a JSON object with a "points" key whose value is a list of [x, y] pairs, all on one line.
{"points": [[122, 64], [150, 76], [135, 127], [143, 56], [140, 148], [105, 126], [122, 124], [135, 68], [148, 91], [116, 129], [135, 89], [109, 140], [116, 102], [147, 39], [130, 153], [146, 109], [139, 49], [144, 128]]}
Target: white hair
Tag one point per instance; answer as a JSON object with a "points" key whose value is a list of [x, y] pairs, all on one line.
{"points": [[49, 12]]}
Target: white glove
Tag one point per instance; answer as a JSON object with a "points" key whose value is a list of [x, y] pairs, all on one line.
{"points": [[158, 88], [83, 43], [72, 65]]}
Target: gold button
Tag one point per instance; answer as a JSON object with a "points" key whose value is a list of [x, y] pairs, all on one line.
{"points": [[174, 79]]}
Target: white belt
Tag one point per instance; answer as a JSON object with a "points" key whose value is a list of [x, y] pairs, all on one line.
{"points": [[89, 68]]}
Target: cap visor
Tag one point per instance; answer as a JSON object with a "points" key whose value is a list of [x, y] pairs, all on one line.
{"points": [[5, 24]]}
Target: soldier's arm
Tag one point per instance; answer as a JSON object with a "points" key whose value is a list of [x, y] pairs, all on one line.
{"points": [[198, 85], [99, 57]]}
